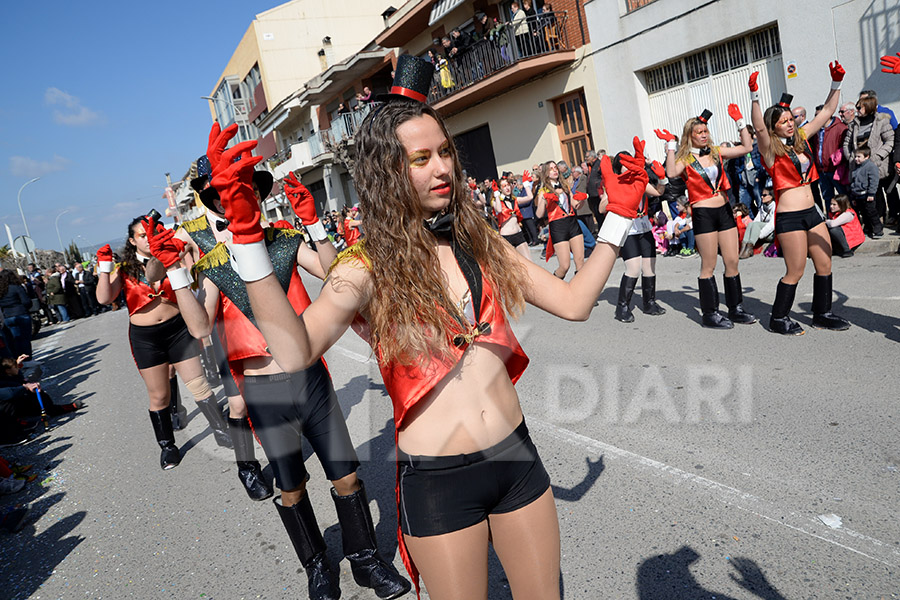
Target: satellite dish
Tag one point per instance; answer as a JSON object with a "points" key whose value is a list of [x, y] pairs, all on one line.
{"points": [[23, 244]]}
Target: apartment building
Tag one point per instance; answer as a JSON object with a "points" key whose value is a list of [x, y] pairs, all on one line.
{"points": [[660, 62]]}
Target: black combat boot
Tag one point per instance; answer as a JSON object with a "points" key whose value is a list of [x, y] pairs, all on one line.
{"points": [[249, 471], [823, 318], [210, 410], [648, 291], [709, 305], [734, 298], [170, 456], [300, 522], [623, 306], [780, 322]]}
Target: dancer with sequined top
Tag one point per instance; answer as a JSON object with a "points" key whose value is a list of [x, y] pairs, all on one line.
{"points": [[799, 227], [430, 289], [159, 338], [702, 166]]}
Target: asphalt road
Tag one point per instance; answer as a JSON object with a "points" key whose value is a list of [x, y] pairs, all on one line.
{"points": [[686, 463]]}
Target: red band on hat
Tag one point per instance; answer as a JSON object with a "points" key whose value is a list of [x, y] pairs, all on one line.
{"points": [[784, 105], [408, 93]]}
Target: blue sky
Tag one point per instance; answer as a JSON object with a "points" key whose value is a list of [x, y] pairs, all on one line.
{"points": [[101, 100]]}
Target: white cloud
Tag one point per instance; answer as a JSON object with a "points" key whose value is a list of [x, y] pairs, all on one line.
{"points": [[72, 112], [23, 166]]}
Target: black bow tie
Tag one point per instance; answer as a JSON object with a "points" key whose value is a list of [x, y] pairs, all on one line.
{"points": [[221, 225], [705, 151], [441, 225]]}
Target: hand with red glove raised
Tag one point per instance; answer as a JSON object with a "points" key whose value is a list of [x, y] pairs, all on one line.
{"points": [[304, 207], [234, 182], [625, 192], [837, 72], [579, 196], [658, 170], [735, 113], [891, 64], [668, 137], [164, 246], [526, 176], [754, 86], [105, 259], [218, 140]]}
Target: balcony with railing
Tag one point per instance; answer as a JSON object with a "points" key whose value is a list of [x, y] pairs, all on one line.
{"points": [[513, 54]]}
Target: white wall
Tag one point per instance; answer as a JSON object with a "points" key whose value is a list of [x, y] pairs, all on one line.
{"points": [[813, 33]]}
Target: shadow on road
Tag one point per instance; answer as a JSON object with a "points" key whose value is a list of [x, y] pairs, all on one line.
{"points": [[858, 317]]}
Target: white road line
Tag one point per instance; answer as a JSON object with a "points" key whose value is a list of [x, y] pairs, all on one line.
{"points": [[873, 298], [807, 524], [354, 355]]}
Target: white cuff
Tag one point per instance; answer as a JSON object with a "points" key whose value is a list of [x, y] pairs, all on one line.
{"points": [[179, 278], [754, 96], [672, 145], [105, 266], [664, 181], [528, 185], [615, 229], [836, 85], [317, 232], [252, 260], [741, 124]]}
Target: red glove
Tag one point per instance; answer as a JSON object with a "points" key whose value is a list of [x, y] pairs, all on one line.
{"points": [[891, 64], [494, 185], [105, 254], [301, 200], [639, 146], [837, 71], [579, 196], [218, 140], [754, 87], [234, 182], [551, 198], [164, 246], [658, 169], [665, 135], [526, 176], [625, 191], [282, 224], [734, 112]]}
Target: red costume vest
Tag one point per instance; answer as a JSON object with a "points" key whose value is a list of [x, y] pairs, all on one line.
{"points": [[139, 294], [506, 213], [554, 209], [786, 176], [697, 187], [351, 234], [409, 384]]}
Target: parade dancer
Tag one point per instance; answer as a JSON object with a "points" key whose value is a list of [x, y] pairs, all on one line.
{"points": [[283, 404], [509, 218], [159, 338], [702, 166], [799, 227], [639, 251], [430, 288], [554, 199]]}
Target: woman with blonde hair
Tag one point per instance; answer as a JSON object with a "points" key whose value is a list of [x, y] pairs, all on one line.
{"points": [[701, 164], [430, 288], [555, 201], [799, 227]]}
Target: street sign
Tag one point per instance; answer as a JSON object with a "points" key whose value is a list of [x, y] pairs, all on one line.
{"points": [[23, 244]]}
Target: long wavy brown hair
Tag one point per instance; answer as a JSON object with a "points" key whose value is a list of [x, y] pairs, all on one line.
{"points": [[131, 265], [408, 286], [684, 147], [544, 183], [776, 146]]}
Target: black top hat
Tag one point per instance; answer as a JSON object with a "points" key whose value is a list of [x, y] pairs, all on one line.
{"points": [[785, 101], [209, 195], [412, 79], [704, 116]]}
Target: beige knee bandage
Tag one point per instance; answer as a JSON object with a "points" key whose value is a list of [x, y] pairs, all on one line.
{"points": [[199, 388]]}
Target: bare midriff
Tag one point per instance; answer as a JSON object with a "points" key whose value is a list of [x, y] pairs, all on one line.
{"points": [[794, 199], [712, 202], [157, 311]]}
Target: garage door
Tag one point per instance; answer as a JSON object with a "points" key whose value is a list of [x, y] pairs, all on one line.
{"points": [[712, 79]]}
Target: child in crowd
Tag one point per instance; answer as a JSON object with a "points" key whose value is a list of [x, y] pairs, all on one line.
{"points": [[762, 228], [742, 219], [863, 187], [680, 231], [843, 227]]}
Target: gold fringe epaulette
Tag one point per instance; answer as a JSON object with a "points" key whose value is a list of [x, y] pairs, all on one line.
{"points": [[271, 232], [357, 253], [198, 224], [216, 257]]}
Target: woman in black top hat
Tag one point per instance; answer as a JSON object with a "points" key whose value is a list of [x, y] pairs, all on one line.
{"points": [[430, 288], [800, 229]]}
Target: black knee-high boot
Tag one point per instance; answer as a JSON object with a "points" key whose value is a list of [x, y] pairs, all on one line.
{"points": [[300, 522], [623, 306], [823, 318], [648, 292], [210, 410], [780, 322], [358, 537], [165, 437], [709, 305], [734, 298], [179, 414], [249, 471]]}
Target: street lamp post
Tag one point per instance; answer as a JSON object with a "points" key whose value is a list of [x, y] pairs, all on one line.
{"points": [[226, 101], [59, 237], [21, 212]]}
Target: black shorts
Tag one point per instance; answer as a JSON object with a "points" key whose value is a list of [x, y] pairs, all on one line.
{"points": [[515, 239], [440, 494], [797, 220], [286, 405], [709, 220], [563, 230], [166, 342], [640, 244]]}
